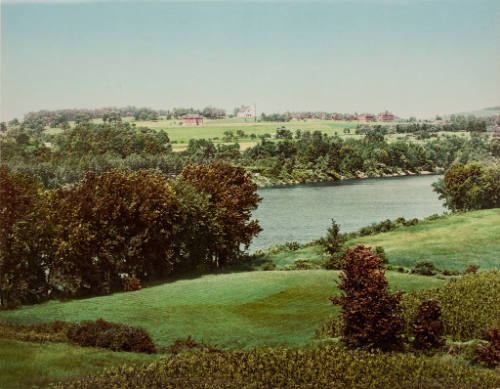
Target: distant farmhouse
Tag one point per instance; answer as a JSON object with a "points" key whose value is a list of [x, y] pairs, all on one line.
{"points": [[247, 112], [192, 119], [385, 117], [366, 117]]}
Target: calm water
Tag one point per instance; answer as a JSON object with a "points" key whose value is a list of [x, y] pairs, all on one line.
{"points": [[303, 212]]}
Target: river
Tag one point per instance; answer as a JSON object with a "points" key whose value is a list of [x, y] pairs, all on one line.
{"points": [[303, 212]]}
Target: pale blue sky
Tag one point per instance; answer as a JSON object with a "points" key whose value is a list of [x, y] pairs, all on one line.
{"points": [[411, 57]]}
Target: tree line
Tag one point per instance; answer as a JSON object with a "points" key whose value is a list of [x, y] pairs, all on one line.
{"points": [[301, 156]]}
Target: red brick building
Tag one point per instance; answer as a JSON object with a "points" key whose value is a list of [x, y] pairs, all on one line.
{"points": [[192, 119], [366, 117], [385, 117]]}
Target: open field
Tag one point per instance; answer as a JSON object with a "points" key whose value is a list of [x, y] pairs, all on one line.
{"points": [[238, 310], [451, 242]]}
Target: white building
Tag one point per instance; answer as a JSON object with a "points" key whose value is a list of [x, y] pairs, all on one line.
{"points": [[247, 111]]}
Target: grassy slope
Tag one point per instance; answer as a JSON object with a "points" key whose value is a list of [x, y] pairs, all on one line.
{"points": [[451, 242], [234, 310], [25, 364]]}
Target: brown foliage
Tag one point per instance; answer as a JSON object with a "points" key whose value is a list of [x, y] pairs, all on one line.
{"points": [[116, 223], [472, 269], [189, 344], [234, 194], [428, 326], [131, 283], [370, 313], [489, 353], [117, 337]]}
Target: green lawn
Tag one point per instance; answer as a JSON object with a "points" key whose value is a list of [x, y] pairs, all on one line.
{"points": [[451, 242], [27, 364], [238, 310]]}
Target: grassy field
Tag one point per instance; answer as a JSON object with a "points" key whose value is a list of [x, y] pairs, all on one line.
{"points": [[452, 242], [27, 364], [238, 310]]}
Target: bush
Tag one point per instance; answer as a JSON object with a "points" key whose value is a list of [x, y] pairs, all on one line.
{"points": [[268, 266], [292, 246], [131, 284], [335, 261], [117, 337], [425, 268], [334, 240], [379, 250], [428, 326], [323, 367], [472, 269], [469, 304], [489, 353], [371, 314]]}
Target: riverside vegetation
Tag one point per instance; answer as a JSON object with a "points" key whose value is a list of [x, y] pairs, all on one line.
{"points": [[117, 229]]}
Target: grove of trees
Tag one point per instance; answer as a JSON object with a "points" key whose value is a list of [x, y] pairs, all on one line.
{"points": [[85, 238]]}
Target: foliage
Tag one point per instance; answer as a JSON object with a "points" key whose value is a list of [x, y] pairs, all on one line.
{"points": [[189, 344], [113, 224], [428, 326], [471, 186], [472, 269], [425, 268], [22, 235], [489, 354], [334, 240], [371, 314], [322, 367], [131, 283], [117, 337], [231, 191], [469, 304]]}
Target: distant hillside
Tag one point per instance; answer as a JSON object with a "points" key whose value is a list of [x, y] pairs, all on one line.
{"points": [[484, 112]]}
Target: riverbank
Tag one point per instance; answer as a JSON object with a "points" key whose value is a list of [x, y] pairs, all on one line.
{"points": [[311, 177]]}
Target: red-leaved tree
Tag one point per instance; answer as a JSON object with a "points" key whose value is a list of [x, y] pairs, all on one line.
{"points": [[371, 313]]}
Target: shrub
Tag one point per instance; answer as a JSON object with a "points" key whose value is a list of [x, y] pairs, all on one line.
{"points": [[292, 246], [131, 283], [117, 337], [189, 344], [428, 326], [379, 250], [424, 268], [371, 314], [489, 353], [324, 367], [335, 261], [334, 240], [268, 266], [469, 304], [472, 269]]}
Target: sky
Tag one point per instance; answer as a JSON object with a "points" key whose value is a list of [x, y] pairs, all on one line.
{"points": [[412, 57]]}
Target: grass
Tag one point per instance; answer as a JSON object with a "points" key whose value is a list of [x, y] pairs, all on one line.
{"points": [[238, 310], [27, 364], [452, 242]]}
